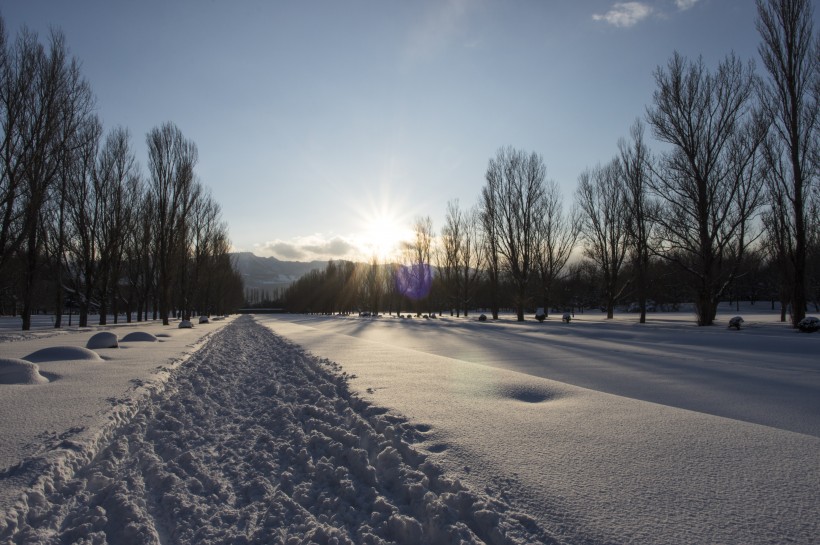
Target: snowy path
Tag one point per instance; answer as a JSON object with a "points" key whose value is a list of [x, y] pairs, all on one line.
{"points": [[765, 375], [590, 467], [253, 441]]}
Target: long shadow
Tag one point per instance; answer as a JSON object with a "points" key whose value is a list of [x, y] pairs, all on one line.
{"points": [[690, 371]]}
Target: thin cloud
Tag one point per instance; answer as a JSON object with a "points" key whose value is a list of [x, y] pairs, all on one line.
{"points": [[626, 14], [309, 248], [683, 5]]}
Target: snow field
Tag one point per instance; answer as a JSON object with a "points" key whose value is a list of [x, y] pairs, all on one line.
{"points": [[254, 441], [589, 467]]}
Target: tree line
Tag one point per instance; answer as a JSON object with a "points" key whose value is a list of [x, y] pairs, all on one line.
{"points": [[727, 209], [81, 226]]}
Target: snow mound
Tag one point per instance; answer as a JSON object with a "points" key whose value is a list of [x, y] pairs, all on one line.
{"points": [[185, 324], [203, 320], [14, 371], [140, 336], [62, 353], [103, 339]]}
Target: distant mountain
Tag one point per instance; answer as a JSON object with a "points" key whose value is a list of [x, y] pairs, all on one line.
{"points": [[267, 273]]}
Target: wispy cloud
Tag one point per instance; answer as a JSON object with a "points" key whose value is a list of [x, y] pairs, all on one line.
{"points": [[309, 248], [683, 5], [627, 14]]}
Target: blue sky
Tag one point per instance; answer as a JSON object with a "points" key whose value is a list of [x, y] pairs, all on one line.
{"points": [[325, 127]]}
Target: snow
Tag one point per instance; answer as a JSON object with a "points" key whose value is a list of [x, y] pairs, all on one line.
{"points": [[63, 353], [280, 429], [103, 339], [592, 467], [139, 336], [16, 371]]}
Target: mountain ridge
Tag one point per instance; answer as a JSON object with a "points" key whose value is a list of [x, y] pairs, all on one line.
{"points": [[270, 273]]}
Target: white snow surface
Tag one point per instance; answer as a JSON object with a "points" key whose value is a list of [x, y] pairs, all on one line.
{"points": [[593, 467], [292, 429]]}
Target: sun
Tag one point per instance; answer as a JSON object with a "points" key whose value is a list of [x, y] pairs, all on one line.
{"points": [[382, 236], [382, 224]]}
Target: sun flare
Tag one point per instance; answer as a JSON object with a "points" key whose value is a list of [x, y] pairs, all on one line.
{"points": [[384, 225], [382, 236]]}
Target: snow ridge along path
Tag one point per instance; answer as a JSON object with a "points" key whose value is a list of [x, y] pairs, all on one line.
{"points": [[255, 441]]}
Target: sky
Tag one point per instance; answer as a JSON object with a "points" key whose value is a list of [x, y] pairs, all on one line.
{"points": [[324, 128]]}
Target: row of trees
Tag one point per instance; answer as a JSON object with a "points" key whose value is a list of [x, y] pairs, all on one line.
{"points": [[80, 226], [734, 191]]}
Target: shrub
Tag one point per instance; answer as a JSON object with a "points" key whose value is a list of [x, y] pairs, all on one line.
{"points": [[809, 324]]}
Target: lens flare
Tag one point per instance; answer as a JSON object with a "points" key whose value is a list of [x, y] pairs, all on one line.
{"points": [[414, 281]]}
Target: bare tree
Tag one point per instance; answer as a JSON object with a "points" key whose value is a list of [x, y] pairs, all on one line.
{"points": [[490, 225], [515, 187], [709, 183], [792, 58], [44, 99], [75, 171], [205, 229], [448, 255], [171, 160], [471, 258], [416, 277], [116, 192], [135, 244], [461, 256], [16, 75], [641, 208], [85, 218], [601, 197], [557, 234]]}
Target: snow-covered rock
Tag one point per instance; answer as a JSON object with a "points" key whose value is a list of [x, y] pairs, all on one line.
{"points": [[203, 320], [185, 324]]}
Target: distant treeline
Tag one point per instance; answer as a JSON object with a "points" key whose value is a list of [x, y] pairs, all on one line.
{"points": [[729, 209], [81, 227]]}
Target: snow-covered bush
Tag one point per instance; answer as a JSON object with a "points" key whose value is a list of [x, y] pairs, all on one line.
{"points": [[540, 314], [736, 322], [203, 320], [139, 336], [809, 324], [566, 317], [103, 339], [62, 353], [482, 318], [185, 324], [16, 371]]}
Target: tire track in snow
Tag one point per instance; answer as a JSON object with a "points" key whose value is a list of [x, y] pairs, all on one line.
{"points": [[254, 441]]}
